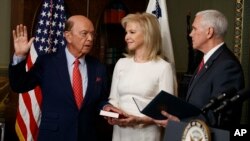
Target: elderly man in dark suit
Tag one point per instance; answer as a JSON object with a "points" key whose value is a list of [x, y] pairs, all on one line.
{"points": [[218, 72], [73, 84]]}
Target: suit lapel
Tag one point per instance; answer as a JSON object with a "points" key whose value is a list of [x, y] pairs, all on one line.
{"points": [[195, 79], [90, 71], [64, 78]]}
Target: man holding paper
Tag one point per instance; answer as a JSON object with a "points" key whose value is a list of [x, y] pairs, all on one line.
{"points": [[219, 72]]}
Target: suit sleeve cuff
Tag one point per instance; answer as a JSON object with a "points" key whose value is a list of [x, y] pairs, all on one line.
{"points": [[17, 59]]}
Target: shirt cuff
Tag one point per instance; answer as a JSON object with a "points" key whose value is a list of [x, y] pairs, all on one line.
{"points": [[17, 59]]}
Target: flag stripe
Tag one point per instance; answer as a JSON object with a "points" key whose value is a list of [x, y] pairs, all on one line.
{"points": [[33, 55], [28, 117], [36, 97], [32, 125], [20, 127], [36, 104], [24, 117]]}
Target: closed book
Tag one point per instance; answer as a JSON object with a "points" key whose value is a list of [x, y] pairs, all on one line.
{"points": [[109, 114], [169, 103]]}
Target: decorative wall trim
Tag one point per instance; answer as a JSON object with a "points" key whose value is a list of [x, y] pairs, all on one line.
{"points": [[241, 47], [238, 28]]}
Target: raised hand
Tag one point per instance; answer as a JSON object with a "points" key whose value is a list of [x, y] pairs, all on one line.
{"points": [[20, 39]]}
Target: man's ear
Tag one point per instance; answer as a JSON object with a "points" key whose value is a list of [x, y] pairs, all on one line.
{"points": [[210, 32], [67, 36]]}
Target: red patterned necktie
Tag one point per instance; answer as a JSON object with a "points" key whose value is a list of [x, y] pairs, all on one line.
{"points": [[77, 84], [200, 66]]}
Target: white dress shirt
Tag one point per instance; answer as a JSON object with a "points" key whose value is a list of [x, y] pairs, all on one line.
{"points": [[211, 52], [82, 68]]}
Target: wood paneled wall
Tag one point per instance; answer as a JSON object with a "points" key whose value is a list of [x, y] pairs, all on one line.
{"points": [[23, 11]]}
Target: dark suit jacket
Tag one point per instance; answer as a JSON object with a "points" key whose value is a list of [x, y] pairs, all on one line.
{"points": [[61, 120], [221, 72]]}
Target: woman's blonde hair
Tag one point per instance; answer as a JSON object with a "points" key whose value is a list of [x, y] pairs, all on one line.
{"points": [[151, 31]]}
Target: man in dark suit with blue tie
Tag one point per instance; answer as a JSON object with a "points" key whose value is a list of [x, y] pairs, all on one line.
{"points": [[219, 71], [72, 94]]}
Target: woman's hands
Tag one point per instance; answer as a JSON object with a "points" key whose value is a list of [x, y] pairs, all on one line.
{"points": [[126, 119], [131, 120], [111, 108], [20, 40]]}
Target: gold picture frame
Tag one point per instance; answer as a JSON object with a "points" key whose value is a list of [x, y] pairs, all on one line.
{"points": [[238, 32]]}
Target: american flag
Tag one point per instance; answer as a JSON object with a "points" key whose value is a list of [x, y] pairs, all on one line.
{"points": [[48, 39], [159, 9]]}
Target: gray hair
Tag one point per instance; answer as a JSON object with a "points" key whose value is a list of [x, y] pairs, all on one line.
{"points": [[215, 19]]}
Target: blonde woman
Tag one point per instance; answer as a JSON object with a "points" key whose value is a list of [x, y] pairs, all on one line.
{"points": [[142, 74]]}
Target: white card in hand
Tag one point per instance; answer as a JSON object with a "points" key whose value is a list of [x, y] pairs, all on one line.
{"points": [[109, 114]]}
